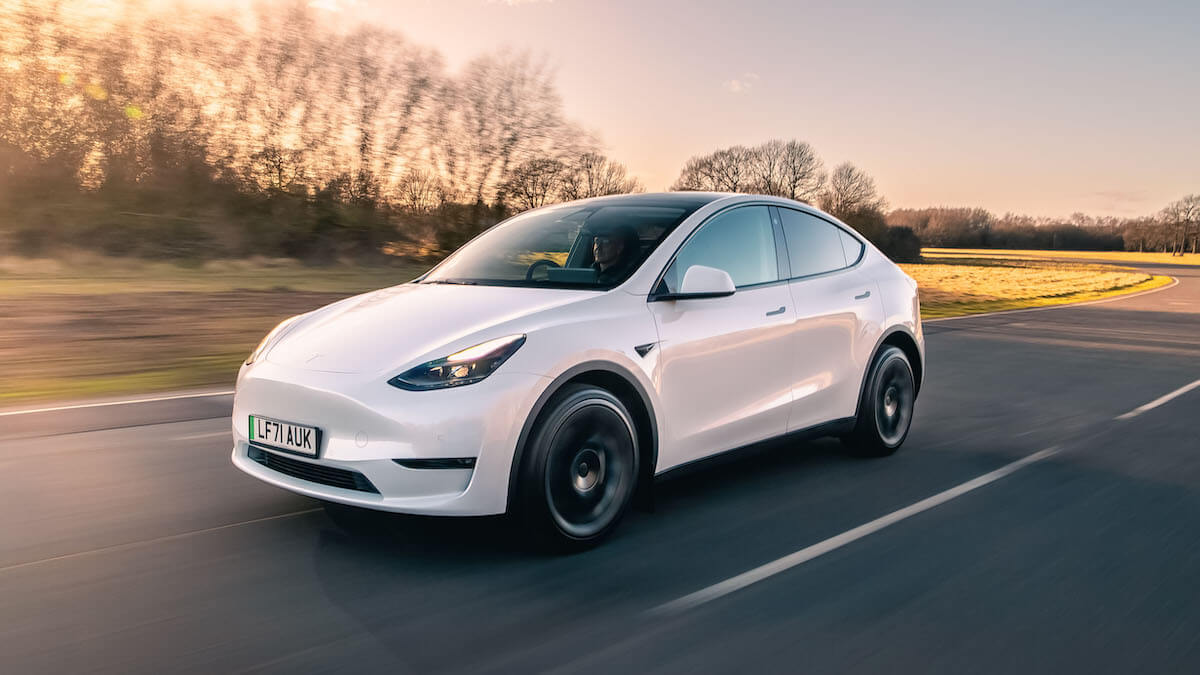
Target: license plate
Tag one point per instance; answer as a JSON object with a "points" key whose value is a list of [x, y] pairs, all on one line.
{"points": [[297, 438]]}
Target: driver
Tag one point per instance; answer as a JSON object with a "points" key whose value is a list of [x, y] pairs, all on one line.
{"points": [[614, 249]]}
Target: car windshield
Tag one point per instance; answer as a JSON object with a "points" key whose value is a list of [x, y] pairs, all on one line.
{"points": [[589, 245]]}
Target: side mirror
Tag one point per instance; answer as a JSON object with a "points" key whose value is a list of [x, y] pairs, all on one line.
{"points": [[702, 282]]}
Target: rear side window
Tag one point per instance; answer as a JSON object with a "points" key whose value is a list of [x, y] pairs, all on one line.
{"points": [[814, 245], [851, 247], [740, 242]]}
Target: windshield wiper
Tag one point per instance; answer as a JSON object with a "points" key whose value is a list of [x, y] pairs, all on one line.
{"points": [[457, 282]]}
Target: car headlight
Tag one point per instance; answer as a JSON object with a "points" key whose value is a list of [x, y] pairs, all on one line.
{"points": [[463, 367], [270, 339]]}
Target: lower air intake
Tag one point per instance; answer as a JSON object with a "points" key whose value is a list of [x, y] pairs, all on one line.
{"points": [[311, 472]]}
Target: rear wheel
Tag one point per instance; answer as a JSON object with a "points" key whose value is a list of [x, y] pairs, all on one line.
{"points": [[579, 470], [886, 408]]}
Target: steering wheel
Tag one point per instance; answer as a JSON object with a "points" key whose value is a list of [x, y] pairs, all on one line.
{"points": [[537, 264]]}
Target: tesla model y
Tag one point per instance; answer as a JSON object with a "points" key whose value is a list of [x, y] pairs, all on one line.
{"points": [[557, 363]]}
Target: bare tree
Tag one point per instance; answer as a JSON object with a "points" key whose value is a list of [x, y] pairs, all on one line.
{"points": [[786, 169], [276, 168], [790, 169], [1140, 234], [503, 110], [726, 170], [534, 183], [594, 175], [850, 191], [419, 191], [946, 226], [387, 87], [359, 188], [279, 118], [1183, 219]]}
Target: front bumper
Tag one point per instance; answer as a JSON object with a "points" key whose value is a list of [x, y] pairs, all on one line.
{"points": [[366, 424]]}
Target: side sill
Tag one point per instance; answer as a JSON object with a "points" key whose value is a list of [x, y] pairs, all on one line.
{"points": [[838, 427]]}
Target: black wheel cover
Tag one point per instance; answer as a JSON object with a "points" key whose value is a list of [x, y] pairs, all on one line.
{"points": [[895, 394], [590, 468]]}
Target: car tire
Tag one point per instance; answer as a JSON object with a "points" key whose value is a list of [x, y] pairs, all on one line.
{"points": [[579, 470], [885, 410]]}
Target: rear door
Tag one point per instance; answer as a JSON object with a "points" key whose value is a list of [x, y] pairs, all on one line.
{"points": [[837, 309], [726, 365]]}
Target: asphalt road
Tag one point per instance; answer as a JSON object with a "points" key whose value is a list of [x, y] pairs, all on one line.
{"points": [[136, 547]]}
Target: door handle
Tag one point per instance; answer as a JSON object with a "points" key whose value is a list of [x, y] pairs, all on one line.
{"points": [[863, 296], [776, 311]]}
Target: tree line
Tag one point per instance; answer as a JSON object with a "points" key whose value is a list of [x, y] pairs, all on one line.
{"points": [[1174, 229], [792, 169], [266, 130]]}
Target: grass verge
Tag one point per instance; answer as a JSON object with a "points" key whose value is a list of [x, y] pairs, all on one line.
{"points": [[956, 282], [1099, 256], [948, 306]]}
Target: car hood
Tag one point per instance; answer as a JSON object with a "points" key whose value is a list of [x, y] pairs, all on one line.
{"points": [[385, 329]]}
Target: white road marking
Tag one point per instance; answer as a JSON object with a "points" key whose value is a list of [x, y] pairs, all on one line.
{"points": [[196, 437], [108, 403], [1159, 401], [804, 555], [156, 540], [1066, 305]]}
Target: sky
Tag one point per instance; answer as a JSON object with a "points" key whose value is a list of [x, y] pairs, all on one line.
{"points": [[1043, 108]]}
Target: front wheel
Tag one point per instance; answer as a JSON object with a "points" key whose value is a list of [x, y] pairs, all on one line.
{"points": [[886, 408], [579, 470]]}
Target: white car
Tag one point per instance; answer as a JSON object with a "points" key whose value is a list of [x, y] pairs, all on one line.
{"points": [[557, 363]]}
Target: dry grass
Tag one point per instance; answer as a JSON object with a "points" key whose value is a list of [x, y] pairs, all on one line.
{"points": [[957, 286], [64, 346], [1106, 256], [91, 275], [90, 326]]}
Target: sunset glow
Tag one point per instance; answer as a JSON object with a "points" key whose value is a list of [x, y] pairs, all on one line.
{"points": [[1017, 106], [1014, 108]]}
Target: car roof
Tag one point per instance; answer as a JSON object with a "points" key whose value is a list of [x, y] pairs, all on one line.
{"points": [[694, 201], [689, 200], [686, 200]]}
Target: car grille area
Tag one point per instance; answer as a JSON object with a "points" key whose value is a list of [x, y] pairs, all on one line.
{"points": [[313, 473]]}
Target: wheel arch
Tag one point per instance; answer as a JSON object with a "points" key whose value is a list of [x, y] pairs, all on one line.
{"points": [[622, 384], [898, 336]]}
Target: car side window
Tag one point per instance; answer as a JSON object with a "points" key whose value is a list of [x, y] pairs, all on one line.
{"points": [[852, 247], [814, 245], [739, 241]]}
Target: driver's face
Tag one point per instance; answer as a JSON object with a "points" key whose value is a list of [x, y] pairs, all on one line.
{"points": [[607, 249]]}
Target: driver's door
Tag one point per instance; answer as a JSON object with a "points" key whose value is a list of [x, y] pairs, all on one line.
{"points": [[726, 365]]}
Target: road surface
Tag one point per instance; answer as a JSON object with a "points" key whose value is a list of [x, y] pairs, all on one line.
{"points": [[128, 543]]}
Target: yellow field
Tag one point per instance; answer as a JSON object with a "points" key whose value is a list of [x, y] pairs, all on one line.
{"points": [[1108, 256], [976, 283]]}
